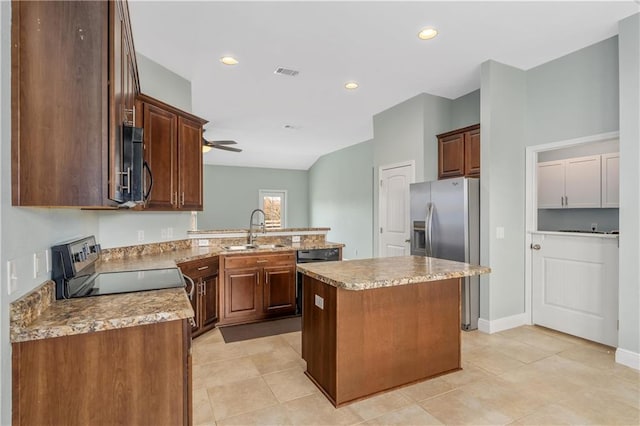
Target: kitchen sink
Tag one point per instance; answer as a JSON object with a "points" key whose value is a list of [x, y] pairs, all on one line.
{"points": [[240, 247], [271, 246]]}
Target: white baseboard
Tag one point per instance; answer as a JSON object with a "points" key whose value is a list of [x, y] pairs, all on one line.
{"points": [[502, 324], [628, 358]]}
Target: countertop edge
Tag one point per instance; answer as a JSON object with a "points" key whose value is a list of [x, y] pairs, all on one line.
{"points": [[405, 277]]}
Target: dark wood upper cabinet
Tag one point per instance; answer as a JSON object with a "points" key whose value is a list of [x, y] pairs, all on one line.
{"points": [[459, 153], [173, 150], [72, 75]]}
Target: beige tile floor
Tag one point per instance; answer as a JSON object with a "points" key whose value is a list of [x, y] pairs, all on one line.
{"points": [[527, 375]]}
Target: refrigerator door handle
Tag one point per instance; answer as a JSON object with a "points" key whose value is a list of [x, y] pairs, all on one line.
{"points": [[429, 229]]}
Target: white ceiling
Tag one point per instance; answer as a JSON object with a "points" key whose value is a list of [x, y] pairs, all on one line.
{"points": [[331, 42]]}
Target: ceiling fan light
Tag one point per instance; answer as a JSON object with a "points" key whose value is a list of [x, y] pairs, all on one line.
{"points": [[427, 34], [229, 60]]}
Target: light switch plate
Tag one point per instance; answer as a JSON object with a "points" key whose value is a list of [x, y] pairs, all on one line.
{"points": [[319, 302], [500, 233], [295, 239]]}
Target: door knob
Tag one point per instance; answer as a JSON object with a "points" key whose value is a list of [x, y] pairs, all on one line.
{"points": [[407, 241], [535, 246]]}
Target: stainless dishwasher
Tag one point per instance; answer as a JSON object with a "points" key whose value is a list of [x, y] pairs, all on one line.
{"points": [[308, 256]]}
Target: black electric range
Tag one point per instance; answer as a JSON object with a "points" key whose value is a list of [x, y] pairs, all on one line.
{"points": [[73, 270]]}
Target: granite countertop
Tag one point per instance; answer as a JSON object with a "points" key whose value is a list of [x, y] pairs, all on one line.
{"points": [[39, 316], [169, 259], [365, 274]]}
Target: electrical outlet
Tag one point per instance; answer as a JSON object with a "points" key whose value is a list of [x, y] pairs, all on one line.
{"points": [[203, 243], [140, 235], [47, 259], [169, 232], [295, 239], [163, 233], [594, 226], [36, 265], [500, 233], [12, 277]]}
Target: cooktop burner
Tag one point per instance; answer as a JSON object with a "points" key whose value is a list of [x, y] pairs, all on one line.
{"points": [[129, 281], [75, 276]]}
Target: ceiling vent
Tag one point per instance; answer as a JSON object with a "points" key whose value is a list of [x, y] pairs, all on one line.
{"points": [[286, 71]]}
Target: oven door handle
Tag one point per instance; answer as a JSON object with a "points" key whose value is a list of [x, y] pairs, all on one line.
{"points": [[193, 286]]}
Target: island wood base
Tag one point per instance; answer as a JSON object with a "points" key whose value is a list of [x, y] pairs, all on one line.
{"points": [[361, 343]]}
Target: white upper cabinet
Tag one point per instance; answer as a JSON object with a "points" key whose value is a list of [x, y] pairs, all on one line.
{"points": [[582, 182], [551, 184], [572, 183], [610, 180]]}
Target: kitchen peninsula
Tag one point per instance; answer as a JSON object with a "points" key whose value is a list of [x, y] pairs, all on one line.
{"points": [[372, 325]]}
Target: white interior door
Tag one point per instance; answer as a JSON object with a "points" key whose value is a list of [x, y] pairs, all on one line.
{"points": [[394, 209], [575, 286]]}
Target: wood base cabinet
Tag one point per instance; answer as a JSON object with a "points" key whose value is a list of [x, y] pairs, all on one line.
{"points": [[258, 287], [73, 81], [204, 298], [360, 343], [130, 376], [459, 153], [173, 150]]}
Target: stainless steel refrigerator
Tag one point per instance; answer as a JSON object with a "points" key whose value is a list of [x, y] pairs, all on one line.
{"points": [[445, 223]]}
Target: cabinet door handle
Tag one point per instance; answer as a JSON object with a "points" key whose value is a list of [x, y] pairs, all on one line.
{"points": [[262, 261], [204, 289], [566, 201], [535, 246], [182, 199], [202, 268]]}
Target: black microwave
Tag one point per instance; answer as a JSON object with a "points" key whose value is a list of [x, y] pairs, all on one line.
{"points": [[135, 170]]}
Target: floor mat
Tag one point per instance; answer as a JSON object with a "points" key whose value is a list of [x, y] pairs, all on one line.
{"points": [[236, 333]]}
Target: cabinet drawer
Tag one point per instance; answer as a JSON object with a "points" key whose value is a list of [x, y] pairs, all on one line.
{"points": [[200, 268], [258, 260]]}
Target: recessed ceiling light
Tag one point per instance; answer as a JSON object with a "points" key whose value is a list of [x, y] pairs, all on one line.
{"points": [[229, 60], [351, 85], [427, 33]]}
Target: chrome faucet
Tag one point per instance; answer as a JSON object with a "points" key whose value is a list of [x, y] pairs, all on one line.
{"points": [[252, 236]]}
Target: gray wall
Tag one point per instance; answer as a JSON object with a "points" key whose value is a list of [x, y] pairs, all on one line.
{"points": [[163, 84], [575, 95], [629, 283], [341, 197], [502, 156], [465, 110], [231, 193], [437, 116]]}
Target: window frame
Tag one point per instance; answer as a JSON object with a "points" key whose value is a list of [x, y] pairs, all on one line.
{"points": [[282, 194]]}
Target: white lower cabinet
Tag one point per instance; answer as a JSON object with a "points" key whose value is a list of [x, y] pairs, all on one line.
{"points": [[575, 285]]}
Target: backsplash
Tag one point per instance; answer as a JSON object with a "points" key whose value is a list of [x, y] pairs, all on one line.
{"points": [[578, 219]]}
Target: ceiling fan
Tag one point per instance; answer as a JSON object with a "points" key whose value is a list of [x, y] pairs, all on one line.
{"points": [[207, 145]]}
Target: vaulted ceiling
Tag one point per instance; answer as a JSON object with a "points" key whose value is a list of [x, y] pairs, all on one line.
{"points": [[288, 122]]}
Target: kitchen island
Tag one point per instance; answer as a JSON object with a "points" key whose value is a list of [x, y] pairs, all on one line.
{"points": [[372, 325]]}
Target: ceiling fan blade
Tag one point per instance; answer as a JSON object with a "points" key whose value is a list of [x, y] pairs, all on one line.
{"points": [[227, 142], [227, 148]]}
